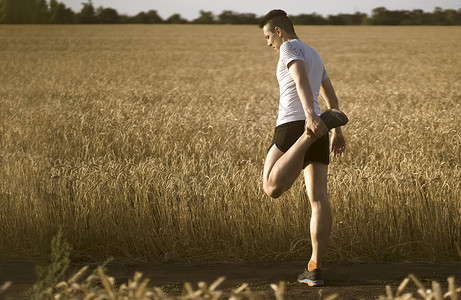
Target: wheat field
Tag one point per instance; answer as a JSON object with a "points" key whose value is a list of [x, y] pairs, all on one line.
{"points": [[147, 142]]}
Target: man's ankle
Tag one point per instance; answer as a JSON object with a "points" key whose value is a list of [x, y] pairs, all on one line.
{"points": [[312, 265]]}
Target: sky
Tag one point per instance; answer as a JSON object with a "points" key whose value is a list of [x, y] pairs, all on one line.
{"points": [[190, 9]]}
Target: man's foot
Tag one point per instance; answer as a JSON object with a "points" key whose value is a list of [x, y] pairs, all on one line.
{"points": [[312, 278], [334, 118]]}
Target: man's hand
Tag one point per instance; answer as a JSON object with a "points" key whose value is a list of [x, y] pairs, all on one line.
{"points": [[338, 143], [315, 125]]}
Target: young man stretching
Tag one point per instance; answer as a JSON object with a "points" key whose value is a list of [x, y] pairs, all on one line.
{"points": [[301, 135]]}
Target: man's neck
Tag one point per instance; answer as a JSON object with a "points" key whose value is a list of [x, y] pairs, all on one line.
{"points": [[290, 38]]}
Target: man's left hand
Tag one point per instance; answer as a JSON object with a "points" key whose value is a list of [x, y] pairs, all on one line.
{"points": [[338, 143]]}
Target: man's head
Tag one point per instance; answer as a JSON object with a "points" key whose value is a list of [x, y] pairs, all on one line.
{"points": [[277, 28], [277, 18]]}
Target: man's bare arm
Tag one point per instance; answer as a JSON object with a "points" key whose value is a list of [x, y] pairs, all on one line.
{"points": [[338, 143], [328, 93], [313, 122]]}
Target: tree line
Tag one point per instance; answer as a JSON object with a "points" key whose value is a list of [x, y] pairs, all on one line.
{"points": [[54, 12]]}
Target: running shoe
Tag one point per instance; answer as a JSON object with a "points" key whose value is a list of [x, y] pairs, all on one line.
{"points": [[334, 118], [312, 278]]}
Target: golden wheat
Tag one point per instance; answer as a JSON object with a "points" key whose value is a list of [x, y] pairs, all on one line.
{"points": [[101, 286], [148, 142]]}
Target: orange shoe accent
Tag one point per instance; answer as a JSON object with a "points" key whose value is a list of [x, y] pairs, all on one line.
{"points": [[311, 266]]}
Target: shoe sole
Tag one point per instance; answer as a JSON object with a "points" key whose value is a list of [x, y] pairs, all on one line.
{"points": [[334, 118], [312, 282]]}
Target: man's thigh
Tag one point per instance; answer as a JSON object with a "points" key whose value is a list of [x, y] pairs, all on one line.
{"points": [[272, 156]]}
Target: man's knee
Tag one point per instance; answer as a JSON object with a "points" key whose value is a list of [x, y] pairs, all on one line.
{"points": [[273, 191], [318, 196]]}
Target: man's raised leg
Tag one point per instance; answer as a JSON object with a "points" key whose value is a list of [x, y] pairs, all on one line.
{"points": [[282, 169]]}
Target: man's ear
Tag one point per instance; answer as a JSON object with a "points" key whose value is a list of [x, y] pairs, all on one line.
{"points": [[278, 30]]}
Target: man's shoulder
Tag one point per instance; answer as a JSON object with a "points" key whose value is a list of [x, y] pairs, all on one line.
{"points": [[293, 43], [292, 47]]}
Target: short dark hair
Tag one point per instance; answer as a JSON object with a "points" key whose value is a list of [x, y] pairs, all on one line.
{"points": [[277, 17]]}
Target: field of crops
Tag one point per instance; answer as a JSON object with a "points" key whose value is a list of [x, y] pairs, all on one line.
{"points": [[147, 142]]}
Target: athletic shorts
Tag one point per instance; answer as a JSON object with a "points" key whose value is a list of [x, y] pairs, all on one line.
{"points": [[285, 135]]}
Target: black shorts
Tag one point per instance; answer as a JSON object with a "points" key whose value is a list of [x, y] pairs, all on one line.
{"points": [[287, 134]]}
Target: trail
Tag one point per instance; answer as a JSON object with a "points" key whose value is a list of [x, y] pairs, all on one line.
{"points": [[350, 281]]}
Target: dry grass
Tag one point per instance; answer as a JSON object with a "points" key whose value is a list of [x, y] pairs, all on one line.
{"points": [[148, 142], [101, 286], [137, 288]]}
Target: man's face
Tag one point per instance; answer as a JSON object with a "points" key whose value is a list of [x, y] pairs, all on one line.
{"points": [[273, 39]]}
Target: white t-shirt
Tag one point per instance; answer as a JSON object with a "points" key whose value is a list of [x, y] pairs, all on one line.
{"points": [[290, 107]]}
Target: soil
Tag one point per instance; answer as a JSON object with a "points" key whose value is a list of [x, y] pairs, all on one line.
{"points": [[349, 281]]}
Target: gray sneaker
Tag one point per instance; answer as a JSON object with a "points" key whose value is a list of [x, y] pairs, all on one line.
{"points": [[312, 278]]}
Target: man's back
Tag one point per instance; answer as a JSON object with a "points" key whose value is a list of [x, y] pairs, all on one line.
{"points": [[290, 107]]}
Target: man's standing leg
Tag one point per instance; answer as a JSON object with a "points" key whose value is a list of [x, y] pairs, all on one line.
{"points": [[315, 176]]}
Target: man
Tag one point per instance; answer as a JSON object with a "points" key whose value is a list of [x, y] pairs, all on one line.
{"points": [[301, 135]]}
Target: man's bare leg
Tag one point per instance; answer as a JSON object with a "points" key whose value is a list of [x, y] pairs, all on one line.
{"points": [[315, 176], [282, 169]]}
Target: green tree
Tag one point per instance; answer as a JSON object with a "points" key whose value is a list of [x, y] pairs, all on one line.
{"points": [[441, 17], [453, 17], [87, 15], [151, 17], [176, 19], [346, 19], [248, 18], [60, 14], [227, 17], [417, 17], [206, 17], [336, 20], [382, 16], [107, 16], [378, 16], [18, 11], [53, 4], [42, 12], [308, 19], [230, 17]]}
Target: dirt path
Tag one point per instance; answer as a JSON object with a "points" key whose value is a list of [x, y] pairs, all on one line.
{"points": [[350, 281]]}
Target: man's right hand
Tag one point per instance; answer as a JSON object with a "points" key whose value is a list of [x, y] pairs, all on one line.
{"points": [[315, 124]]}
